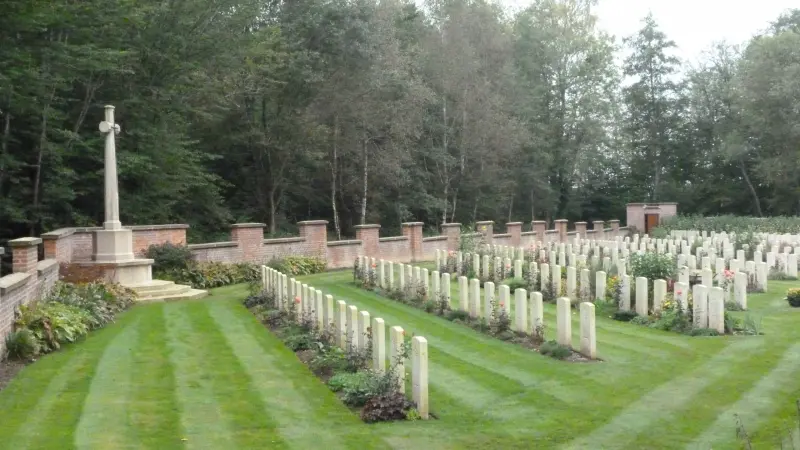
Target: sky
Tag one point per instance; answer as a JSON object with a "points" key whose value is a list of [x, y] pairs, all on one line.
{"points": [[694, 25]]}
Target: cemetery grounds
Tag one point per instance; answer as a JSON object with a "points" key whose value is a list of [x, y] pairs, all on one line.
{"points": [[207, 374]]}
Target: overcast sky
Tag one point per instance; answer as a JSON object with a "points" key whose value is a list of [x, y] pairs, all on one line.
{"points": [[693, 24]]}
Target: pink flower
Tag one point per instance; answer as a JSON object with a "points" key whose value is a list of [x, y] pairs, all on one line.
{"points": [[374, 266], [678, 292], [297, 299], [502, 304], [508, 266]]}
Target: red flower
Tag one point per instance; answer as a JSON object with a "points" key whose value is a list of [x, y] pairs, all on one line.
{"points": [[374, 266], [297, 299]]}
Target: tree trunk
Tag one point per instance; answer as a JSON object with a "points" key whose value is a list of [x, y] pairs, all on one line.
{"points": [[751, 188], [272, 209], [334, 167], [37, 180], [533, 209], [510, 207], [444, 151], [365, 179], [4, 146]]}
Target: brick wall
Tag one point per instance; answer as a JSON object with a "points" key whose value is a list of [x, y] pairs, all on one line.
{"points": [[341, 254], [31, 280], [247, 241], [431, 244], [395, 248]]}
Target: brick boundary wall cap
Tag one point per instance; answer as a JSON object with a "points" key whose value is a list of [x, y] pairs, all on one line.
{"points": [[249, 225], [25, 242], [367, 226], [313, 222], [451, 224]]}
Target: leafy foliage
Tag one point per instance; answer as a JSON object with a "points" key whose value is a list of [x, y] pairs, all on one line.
{"points": [[793, 297], [555, 350], [207, 275], [653, 266], [298, 265], [386, 407], [66, 315], [169, 257]]}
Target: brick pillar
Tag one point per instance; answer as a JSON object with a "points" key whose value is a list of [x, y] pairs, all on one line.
{"points": [[250, 239], [580, 228], [561, 228], [453, 233], [539, 227], [614, 227], [486, 228], [58, 244], [599, 229], [369, 236], [25, 253], [316, 234], [515, 230], [413, 231]]}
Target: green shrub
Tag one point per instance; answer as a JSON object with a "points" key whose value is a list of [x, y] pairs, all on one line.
{"points": [[641, 320], [733, 306], [102, 301], [624, 316], [168, 257], [704, 332], [555, 350], [386, 407], [653, 266], [429, 306], [298, 265], [329, 360], [297, 339], [357, 388], [22, 345], [793, 297], [207, 275], [516, 283], [779, 275], [457, 314], [672, 320], [53, 324]]}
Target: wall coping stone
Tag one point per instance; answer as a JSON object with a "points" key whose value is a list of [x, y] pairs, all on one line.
{"points": [[527, 233], [561, 220], [451, 224], [286, 240], [502, 235], [212, 245], [484, 222], [58, 234], [550, 231], [169, 226], [249, 225], [13, 281], [46, 265], [412, 224], [571, 233], [434, 238], [348, 242], [472, 234], [614, 220], [25, 242], [313, 222], [539, 221], [393, 238], [654, 203], [514, 223], [591, 231], [367, 226]]}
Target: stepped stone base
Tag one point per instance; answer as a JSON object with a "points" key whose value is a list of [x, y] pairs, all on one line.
{"points": [[165, 291]]}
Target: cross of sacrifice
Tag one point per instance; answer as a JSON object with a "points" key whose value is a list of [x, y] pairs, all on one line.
{"points": [[110, 162]]}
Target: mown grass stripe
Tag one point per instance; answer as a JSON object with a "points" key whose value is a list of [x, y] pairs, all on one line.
{"points": [[651, 406], [216, 409], [307, 413], [154, 413], [755, 404], [42, 406], [105, 421]]}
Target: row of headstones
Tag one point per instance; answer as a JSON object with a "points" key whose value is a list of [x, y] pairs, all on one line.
{"points": [[352, 328], [528, 311], [708, 310]]}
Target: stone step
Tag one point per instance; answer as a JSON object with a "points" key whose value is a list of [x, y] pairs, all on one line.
{"points": [[168, 290], [154, 285], [191, 294]]}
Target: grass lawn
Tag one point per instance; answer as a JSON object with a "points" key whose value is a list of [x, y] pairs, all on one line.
{"points": [[194, 375], [206, 374], [653, 390]]}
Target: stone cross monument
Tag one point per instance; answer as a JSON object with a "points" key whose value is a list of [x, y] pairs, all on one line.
{"points": [[113, 243]]}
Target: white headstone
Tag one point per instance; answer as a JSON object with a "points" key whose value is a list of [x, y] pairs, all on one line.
{"points": [[564, 322], [588, 331]]}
